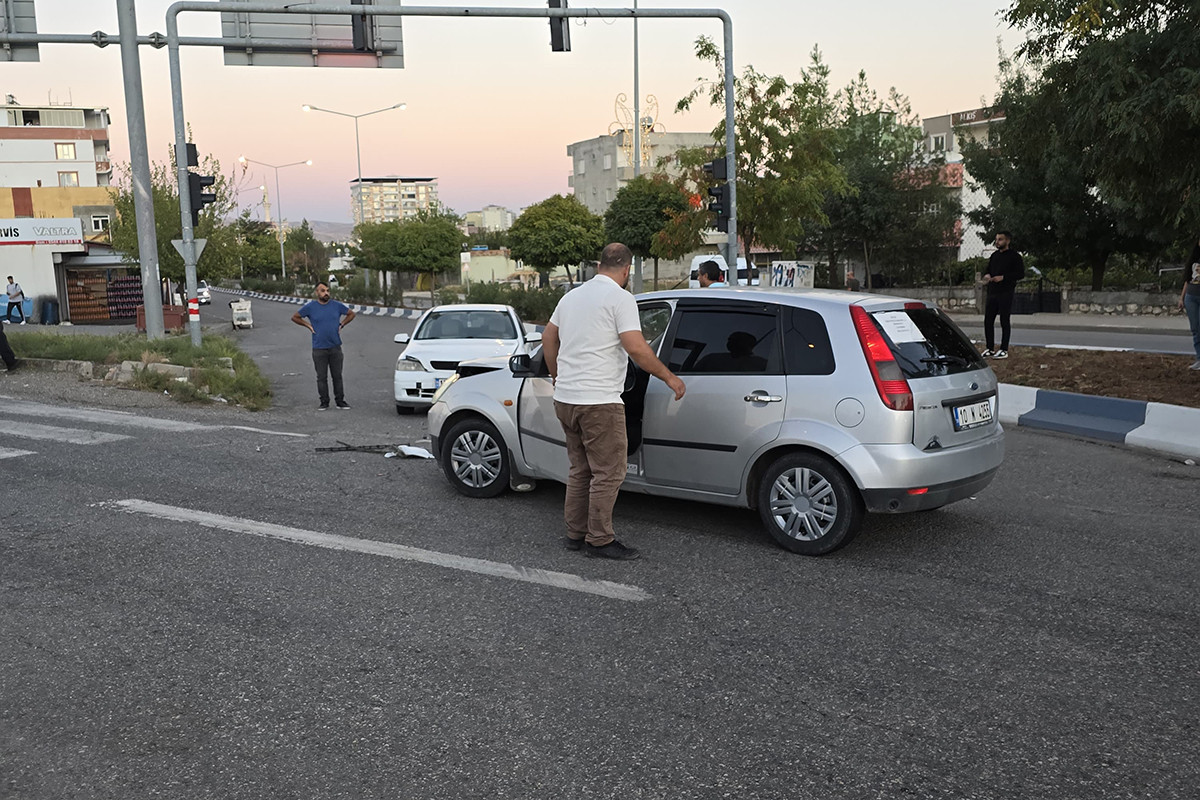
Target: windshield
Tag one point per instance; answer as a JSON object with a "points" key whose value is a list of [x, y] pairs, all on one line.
{"points": [[467, 325]]}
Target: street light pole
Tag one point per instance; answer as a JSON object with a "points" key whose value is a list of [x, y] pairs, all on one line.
{"points": [[358, 156], [280, 235]]}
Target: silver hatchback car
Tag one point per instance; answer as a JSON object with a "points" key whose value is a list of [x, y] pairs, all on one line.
{"points": [[811, 407]]}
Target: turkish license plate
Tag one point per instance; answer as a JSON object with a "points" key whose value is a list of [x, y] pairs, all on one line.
{"points": [[437, 383], [972, 416]]}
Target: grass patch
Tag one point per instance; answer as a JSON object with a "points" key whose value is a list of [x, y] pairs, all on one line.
{"points": [[247, 387]]}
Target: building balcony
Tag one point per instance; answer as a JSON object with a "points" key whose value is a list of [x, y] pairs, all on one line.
{"points": [[103, 166]]}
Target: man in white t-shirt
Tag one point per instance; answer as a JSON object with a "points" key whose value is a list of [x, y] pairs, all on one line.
{"points": [[594, 330], [16, 297]]}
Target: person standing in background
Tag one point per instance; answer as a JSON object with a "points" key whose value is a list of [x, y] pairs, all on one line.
{"points": [[1005, 268], [16, 298], [325, 318]]}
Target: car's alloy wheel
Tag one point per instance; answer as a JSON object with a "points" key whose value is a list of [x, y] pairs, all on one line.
{"points": [[808, 505], [474, 459]]}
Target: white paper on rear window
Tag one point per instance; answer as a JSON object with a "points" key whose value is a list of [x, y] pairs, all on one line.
{"points": [[899, 327]]}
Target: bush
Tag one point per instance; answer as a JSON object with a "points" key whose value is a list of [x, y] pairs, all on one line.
{"points": [[532, 305], [269, 286]]}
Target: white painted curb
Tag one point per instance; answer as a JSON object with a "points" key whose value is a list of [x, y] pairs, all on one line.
{"points": [[1014, 401], [1168, 429]]}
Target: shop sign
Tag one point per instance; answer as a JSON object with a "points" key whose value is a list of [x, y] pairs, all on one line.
{"points": [[35, 230]]}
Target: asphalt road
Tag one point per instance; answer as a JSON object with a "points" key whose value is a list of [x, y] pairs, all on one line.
{"points": [[1025, 336], [205, 611]]}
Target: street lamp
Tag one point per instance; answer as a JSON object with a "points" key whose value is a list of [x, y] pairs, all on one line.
{"points": [[357, 149], [278, 204]]}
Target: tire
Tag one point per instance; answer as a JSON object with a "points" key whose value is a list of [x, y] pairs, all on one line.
{"points": [[404, 410], [475, 459], [808, 505]]}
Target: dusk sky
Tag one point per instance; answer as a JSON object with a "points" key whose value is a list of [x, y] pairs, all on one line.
{"points": [[491, 109]]}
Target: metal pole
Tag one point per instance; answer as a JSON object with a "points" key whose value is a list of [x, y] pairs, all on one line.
{"points": [[637, 141], [362, 218], [279, 233], [730, 155], [181, 172], [139, 162]]}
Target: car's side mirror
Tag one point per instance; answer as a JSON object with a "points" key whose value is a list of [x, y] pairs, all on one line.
{"points": [[533, 336], [401, 338], [521, 366]]}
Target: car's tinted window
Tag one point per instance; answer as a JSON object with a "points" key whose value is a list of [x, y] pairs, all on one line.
{"points": [[717, 341], [655, 319], [806, 346], [467, 325], [926, 343]]}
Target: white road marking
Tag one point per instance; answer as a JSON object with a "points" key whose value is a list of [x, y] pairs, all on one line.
{"points": [[7, 452], [29, 430], [495, 569], [101, 416]]}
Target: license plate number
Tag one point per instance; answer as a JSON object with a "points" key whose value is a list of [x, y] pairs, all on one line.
{"points": [[972, 416]]}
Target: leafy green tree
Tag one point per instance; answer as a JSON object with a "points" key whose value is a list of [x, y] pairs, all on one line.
{"points": [[256, 248], [898, 210], [558, 231], [219, 259], [640, 211], [377, 250], [785, 140], [304, 255], [430, 242], [1125, 73], [1042, 186]]}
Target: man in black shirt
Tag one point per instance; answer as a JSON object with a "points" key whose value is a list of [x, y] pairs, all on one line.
{"points": [[1005, 268]]}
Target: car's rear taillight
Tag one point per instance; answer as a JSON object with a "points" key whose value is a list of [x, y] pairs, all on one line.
{"points": [[889, 380]]}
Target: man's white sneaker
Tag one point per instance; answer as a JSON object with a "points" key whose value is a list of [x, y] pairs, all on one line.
{"points": [[987, 353], [1196, 365], [22, 322], [1001, 354]]}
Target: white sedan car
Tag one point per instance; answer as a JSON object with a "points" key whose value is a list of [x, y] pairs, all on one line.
{"points": [[446, 335]]}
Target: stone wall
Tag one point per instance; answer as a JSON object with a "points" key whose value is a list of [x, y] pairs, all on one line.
{"points": [[966, 299]]}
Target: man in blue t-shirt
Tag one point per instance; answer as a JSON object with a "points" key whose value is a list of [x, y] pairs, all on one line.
{"points": [[326, 317]]}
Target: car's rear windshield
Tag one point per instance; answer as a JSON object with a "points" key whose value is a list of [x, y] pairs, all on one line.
{"points": [[926, 343], [467, 325]]}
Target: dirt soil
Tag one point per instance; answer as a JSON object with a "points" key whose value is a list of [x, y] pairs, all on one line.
{"points": [[1134, 376]]}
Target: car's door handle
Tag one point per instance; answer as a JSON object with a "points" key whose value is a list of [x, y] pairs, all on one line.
{"points": [[763, 398]]}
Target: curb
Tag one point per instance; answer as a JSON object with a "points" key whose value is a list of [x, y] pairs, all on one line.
{"points": [[1137, 424], [369, 311]]}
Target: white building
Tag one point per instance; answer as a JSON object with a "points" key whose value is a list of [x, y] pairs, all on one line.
{"points": [[945, 135], [54, 146], [392, 198]]}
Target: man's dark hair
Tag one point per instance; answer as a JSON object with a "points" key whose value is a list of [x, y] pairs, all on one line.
{"points": [[710, 269], [320, 284], [1005, 234], [615, 256]]}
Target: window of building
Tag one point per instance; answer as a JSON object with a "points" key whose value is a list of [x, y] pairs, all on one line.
{"points": [[68, 179], [64, 151], [607, 161], [99, 222], [608, 195], [580, 167], [938, 143]]}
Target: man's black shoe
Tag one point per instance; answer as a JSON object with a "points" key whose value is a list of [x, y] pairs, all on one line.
{"points": [[614, 550], [572, 544], [343, 405], [323, 407]]}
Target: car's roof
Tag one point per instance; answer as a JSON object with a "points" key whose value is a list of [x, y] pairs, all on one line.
{"points": [[788, 297], [473, 307]]}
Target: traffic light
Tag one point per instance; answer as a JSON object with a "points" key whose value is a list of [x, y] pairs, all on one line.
{"points": [[719, 192], [560, 29], [199, 198]]}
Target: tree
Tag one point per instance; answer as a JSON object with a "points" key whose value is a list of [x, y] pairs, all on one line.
{"points": [[784, 148], [219, 259], [305, 255], [1040, 183], [640, 211], [1126, 76], [256, 248], [898, 207], [558, 231], [377, 249], [430, 242]]}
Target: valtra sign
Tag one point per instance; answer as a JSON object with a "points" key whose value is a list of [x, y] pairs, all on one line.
{"points": [[30, 230]]}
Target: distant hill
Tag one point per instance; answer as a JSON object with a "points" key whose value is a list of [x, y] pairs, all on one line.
{"points": [[331, 231]]}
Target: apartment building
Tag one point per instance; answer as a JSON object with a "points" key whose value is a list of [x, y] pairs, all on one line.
{"points": [[944, 135], [54, 145], [601, 166], [392, 198]]}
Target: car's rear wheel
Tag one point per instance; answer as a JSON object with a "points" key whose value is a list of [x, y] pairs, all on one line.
{"points": [[808, 505], [474, 458]]}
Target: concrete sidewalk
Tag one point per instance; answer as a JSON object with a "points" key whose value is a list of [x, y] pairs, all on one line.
{"points": [[1171, 325]]}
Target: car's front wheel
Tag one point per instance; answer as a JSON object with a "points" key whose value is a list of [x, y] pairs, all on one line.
{"points": [[474, 458], [808, 505]]}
